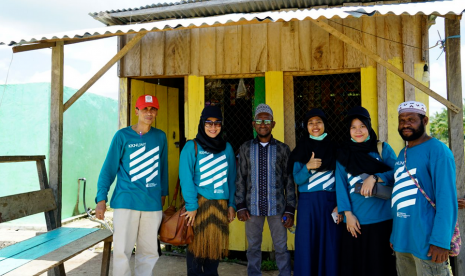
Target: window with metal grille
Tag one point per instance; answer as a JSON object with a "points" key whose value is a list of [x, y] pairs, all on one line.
{"points": [[335, 94], [237, 103]]}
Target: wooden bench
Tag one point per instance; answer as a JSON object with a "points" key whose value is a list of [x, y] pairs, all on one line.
{"points": [[39, 254]]}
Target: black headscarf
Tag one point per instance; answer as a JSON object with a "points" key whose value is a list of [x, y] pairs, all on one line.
{"points": [[354, 156], [213, 145], [324, 149]]}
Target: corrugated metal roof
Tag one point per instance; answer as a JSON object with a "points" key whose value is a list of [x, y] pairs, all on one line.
{"points": [[447, 7], [205, 8]]}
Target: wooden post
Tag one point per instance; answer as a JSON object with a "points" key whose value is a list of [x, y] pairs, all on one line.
{"points": [[289, 112], [123, 103], [43, 181], [408, 53], [105, 269], [454, 94], [56, 136], [381, 82]]}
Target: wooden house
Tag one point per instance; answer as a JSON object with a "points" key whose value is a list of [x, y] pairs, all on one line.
{"points": [[293, 55]]}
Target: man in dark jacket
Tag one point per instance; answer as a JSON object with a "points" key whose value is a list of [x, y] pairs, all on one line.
{"points": [[264, 189]]}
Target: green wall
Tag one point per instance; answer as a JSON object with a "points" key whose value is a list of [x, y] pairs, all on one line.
{"points": [[88, 127]]}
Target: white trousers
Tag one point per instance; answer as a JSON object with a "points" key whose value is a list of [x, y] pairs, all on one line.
{"points": [[131, 227]]}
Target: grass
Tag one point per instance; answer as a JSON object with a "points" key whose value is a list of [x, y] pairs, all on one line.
{"points": [[269, 265]]}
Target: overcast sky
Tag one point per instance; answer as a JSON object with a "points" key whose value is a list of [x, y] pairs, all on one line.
{"points": [[27, 18]]}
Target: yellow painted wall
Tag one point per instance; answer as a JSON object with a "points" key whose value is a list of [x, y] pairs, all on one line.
{"points": [[395, 96], [194, 104], [370, 94], [172, 136], [420, 95], [274, 91]]}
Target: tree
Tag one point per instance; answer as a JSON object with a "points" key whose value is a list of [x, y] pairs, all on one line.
{"points": [[439, 125]]}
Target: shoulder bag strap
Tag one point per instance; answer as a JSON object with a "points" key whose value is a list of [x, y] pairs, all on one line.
{"points": [[196, 148], [380, 149], [415, 181], [178, 184]]}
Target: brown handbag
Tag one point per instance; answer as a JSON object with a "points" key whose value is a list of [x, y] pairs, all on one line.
{"points": [[173, 228]]}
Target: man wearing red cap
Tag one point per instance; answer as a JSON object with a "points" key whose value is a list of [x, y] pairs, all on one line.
{"points": [[138, 156]]}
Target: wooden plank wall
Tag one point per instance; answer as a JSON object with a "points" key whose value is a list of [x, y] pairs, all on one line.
{"points": [[298, 46]]}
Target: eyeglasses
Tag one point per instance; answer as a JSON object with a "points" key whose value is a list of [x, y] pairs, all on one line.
{"points": [[259, 122], [210, 124]]}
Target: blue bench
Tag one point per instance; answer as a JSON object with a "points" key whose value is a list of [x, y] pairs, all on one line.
{"points": [[39, 254]]}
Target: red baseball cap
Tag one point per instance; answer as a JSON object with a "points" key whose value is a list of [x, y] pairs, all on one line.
{"points": [[147, 100]]}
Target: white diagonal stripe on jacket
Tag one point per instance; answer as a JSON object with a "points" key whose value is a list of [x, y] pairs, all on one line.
{"points": [[143, 157], [144, 173]]}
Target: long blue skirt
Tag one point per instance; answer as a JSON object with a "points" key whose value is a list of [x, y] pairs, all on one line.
{"points": [[317, 236]]}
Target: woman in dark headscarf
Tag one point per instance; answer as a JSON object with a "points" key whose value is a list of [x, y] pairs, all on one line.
{"points": [[365, 245], [207, 172], [312, 163]]}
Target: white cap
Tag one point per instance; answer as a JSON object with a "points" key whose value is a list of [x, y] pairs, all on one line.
{"points": [[412, 106]]}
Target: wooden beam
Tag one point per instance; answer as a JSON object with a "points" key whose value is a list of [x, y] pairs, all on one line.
{"points": [[22, 205], [322, 72], [12, 159], [386, 64], [104, 69], [56, 137], [25, 48], [456, 143]]}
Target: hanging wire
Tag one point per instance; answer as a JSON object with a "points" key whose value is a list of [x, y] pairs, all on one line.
{"points": [[6, 81], [441, 42], [387, 39]]}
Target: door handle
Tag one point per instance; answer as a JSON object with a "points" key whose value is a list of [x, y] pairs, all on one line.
{"points": [[176, 144], [174, 134]]}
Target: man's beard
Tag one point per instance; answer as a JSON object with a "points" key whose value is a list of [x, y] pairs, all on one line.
{"points": [[415, 133]]}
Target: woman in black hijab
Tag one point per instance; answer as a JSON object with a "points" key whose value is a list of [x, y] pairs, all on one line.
{"points": [[362, 160], [207, 173], [312, 163]]}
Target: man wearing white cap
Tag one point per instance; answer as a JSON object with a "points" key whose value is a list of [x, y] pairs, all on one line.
{"points": [[424, 176], [138, 156]]}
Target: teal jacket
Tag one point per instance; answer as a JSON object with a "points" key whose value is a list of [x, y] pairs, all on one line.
{"points": [[140, 164], [211, 175]]}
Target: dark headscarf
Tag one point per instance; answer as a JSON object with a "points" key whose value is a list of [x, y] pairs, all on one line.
{"points": [[324, 149], [213, 145], [354, 156]]}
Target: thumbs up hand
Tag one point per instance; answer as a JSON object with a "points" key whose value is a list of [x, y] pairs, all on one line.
{"points": [[313, 163]]}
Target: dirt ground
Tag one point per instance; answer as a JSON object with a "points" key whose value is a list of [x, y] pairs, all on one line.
{"points": [[88, 263]]}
